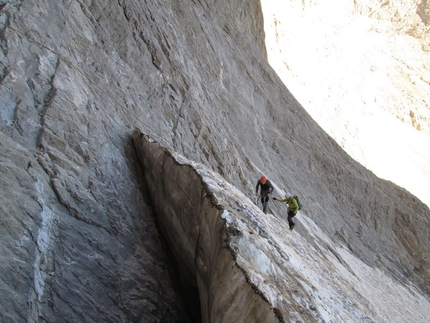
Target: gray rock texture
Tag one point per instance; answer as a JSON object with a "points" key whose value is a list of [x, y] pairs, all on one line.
{"points": [[190, 215], [248, 266], [361, 69], [80, 239]]}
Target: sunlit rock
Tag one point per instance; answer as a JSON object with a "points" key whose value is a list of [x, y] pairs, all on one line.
{"points": [[80, 238]]}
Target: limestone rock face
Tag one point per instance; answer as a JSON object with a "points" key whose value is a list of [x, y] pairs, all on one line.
{"points": [[80, 220], [192, 208], [79, 240], [247, 266], [362, 70]]}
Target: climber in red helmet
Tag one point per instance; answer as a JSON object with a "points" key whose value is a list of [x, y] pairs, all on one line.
{"points": [[266, 189]]}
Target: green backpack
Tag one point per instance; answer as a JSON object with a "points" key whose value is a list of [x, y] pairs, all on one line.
{"points": [[298, 202]]}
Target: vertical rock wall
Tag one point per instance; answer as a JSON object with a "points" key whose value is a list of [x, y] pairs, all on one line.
{"points": [[79, 239], [190, 219]]}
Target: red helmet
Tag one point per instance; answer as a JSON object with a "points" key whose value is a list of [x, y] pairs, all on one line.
{"points": [[263, 179]]}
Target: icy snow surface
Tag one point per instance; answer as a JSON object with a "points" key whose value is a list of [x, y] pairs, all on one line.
{"points": [[322, 277]]}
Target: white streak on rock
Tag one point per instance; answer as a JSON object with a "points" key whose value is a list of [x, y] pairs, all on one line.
{"points": [[43, 245]]}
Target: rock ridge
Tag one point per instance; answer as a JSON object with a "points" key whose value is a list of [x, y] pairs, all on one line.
{"points": [[240, 264], [207, 246], [79, 240]]}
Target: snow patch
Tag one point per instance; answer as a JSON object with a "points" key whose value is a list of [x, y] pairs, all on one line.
{"points": [[325, 279]]}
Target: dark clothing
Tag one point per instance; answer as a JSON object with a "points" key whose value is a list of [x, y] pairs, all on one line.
{"points": [[265, 190], [291, 215]]}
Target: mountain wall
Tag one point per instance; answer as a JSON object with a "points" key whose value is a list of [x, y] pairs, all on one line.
{"points": [[361, 69], [191, 203], [238, 264], [80, 238]]}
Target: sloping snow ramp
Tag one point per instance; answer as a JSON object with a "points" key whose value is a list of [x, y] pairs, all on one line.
{"points": [[241, 265], [194, 207]]}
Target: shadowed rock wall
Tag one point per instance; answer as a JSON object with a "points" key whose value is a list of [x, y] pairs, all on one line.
{"points": [[79, 240], [189, 216], [248, 266]]}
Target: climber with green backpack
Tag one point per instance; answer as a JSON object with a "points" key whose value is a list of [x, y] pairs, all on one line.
{"points": [[293, 207]]}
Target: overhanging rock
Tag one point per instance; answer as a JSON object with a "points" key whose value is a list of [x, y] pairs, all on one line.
{"points": [[208, 223]]}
